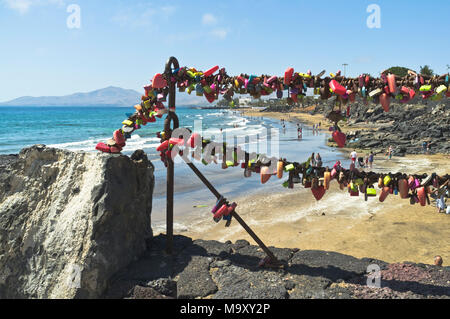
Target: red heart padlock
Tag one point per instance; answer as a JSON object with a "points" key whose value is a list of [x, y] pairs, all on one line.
{"points": [[318, 192], [210, 97], [119, 138], [159, 82]]}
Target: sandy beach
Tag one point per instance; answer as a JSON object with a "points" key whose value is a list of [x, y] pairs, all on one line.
{"points": [[393, 231]]}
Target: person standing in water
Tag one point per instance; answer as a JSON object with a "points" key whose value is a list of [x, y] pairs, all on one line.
{"points": [[318, 160], [312, 160]]}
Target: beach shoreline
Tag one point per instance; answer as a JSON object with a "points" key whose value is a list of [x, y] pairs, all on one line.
{"points": [[394, 231]]}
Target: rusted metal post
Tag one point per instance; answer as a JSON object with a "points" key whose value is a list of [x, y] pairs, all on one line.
{"points": [[170, 165], [273, 259]]}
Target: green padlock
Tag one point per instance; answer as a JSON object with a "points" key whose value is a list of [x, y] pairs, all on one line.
{"points": [[147, 104], [289, 167], [229, 163], [441, 89], [191, 88], [387, 179], [425, 88]]}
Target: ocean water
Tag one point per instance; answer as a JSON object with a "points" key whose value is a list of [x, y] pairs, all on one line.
{"points": [[81, 128]]}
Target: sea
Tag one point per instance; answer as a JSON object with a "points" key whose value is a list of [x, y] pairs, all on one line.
{"points": [[81, 128]]}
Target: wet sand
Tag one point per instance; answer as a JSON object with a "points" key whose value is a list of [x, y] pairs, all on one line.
{"points": [[393, 231]]}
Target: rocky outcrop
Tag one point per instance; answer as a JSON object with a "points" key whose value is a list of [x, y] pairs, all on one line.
{"points": [[69, 221], [211, 269], [404, 126]]}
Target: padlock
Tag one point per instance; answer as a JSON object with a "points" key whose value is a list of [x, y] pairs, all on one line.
{"points": [[158, 81], [211, 71], [385, 101], [318, 192], [387, 180], [392, 83], [280, 168], [339, 138], [288, 76], [326, 179], [337, 88], [376, 92], [371, 192], [385, 191]]}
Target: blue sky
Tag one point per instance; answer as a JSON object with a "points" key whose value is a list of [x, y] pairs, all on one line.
{"points": [[124, 43]]}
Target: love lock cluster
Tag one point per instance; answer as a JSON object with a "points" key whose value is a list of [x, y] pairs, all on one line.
{"points": [[216, 82]]}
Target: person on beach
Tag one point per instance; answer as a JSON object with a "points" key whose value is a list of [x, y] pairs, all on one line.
{"points": [[299, 131], [389, 151], [440, 195], [312, 160], [367, 160], [371, 159], [353, 156], [424, 146]]}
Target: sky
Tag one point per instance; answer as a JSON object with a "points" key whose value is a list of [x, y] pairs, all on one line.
{"points": [[125, 42]]}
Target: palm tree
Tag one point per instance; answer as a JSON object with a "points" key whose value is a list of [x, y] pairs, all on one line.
{"points": [[426, 70]]}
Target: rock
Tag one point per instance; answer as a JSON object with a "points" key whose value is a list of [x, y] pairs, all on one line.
{"points": [[164, 286], [309, 274], [310, 287], [70, 220], [195, 280], [146, 293], [237, 282]]}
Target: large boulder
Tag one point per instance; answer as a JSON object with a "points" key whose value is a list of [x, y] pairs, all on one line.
{"points": [[70, 220]]}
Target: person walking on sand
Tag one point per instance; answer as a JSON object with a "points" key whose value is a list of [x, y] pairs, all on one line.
{"points": [[424, 146], [353, 156], [370, 159]]}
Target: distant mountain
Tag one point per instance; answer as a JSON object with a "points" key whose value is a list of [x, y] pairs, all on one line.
{"points": [[110, 96]]}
